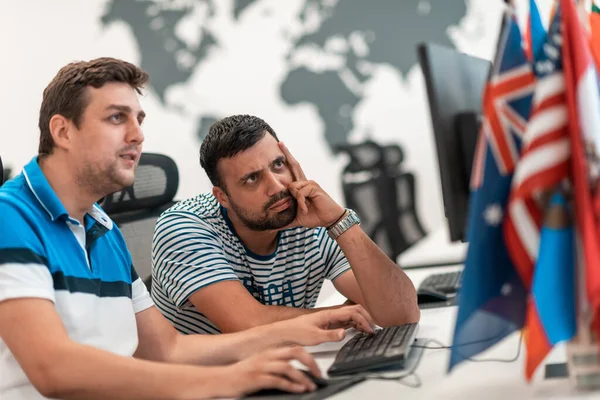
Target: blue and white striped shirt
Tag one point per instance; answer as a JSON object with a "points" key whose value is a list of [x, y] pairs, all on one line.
{"points": [[195, 245], [85, 270]]}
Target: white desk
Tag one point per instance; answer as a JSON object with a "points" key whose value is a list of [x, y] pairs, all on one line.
{"points": [[435, 248], [469, 380]]}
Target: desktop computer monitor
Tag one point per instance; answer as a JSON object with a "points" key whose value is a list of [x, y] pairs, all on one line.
{"points": [[455, 83]]}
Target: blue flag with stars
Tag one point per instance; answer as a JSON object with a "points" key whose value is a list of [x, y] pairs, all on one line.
{"points": [[492, 300]]}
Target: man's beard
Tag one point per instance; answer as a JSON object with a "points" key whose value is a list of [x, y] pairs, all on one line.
{"points": [[264, 222]]}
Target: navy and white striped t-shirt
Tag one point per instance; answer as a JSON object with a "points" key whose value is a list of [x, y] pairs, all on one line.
{"points": [[195, 245]]}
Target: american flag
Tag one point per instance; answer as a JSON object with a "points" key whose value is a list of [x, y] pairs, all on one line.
{"points": [[545, 155]]}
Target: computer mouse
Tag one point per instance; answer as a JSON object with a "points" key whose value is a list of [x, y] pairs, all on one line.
{"points": [[276, 394], [319, 382]]}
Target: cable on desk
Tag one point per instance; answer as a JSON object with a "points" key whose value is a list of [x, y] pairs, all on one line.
{"points": [[442, 346], [402, 379], [399, 379]]}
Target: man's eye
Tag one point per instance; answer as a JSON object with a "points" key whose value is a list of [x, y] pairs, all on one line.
{"points": [[279, 164], [252, 179], [116, 118]]}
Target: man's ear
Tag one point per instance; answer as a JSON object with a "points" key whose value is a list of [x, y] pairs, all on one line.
{"points": [[221, 196], [61, 129]]}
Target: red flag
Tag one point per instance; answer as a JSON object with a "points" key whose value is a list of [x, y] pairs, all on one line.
{"points": [[584, 129]]}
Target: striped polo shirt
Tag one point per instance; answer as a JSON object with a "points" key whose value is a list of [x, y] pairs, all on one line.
{"points": [[85, 270], [195, 245]]}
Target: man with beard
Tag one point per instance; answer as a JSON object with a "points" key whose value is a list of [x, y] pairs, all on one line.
{"points": [[258, 248]]}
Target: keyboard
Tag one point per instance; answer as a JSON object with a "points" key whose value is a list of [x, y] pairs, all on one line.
{"points": [[439, 288], [387, 347], [447, 282]]}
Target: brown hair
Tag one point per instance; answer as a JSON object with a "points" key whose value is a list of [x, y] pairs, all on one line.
{"points": [[65, 95], [228, 137]]}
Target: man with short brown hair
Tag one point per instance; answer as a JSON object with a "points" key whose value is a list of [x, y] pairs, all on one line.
{"points": [[73, 311]]}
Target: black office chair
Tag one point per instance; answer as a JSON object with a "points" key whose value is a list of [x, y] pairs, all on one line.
{"points": [[360, 180], [383, 196], [136, 208], [365, 157], [1, 172], [363, 198], [408, 218]]}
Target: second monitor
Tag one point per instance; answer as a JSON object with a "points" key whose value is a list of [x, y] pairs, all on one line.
{"points": [[455, 83]]}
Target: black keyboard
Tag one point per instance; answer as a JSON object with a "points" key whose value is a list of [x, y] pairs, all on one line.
{"points": [[448, 282], [387, 347], [439, 290]]}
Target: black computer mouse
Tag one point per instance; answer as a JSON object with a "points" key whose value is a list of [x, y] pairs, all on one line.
{"points": [[320, 382], [276, 394]]}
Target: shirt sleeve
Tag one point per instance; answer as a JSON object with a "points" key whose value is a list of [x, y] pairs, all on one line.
{"points": [[139, 293], [187, 255], [24, 268], [335, 260]]}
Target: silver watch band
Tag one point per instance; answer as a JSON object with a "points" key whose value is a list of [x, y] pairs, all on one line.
{"points": [[343, 225]]}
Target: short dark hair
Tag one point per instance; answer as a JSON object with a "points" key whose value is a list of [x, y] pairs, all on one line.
{"points": [[228, 137], [65, 94]]}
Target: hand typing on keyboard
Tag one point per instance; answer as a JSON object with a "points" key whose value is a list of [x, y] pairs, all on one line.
{"points": [[387, 347], [325, 326]]}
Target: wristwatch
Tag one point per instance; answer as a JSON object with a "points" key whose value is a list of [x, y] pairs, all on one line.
{"points": [[343, 225]]}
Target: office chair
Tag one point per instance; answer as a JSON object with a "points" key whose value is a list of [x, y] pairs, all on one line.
{"points": [[362, 197], [1, 172], [360, 188], [408, 219], [136, 208], [382, 195], [367, 156]]}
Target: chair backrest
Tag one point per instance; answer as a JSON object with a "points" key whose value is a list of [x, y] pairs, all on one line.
{"points": [[363, 198], [1, 172], [136, 208], [367, 156], [408, 219], [383, 196]]}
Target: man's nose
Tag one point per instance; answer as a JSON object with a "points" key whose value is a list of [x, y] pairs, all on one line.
{"points": [[135, 134], [274, 184]]}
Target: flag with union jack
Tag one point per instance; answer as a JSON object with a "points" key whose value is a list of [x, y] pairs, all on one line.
{"points": [[492, 301]]}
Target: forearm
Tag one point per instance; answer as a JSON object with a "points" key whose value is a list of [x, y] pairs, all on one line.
{"points": [[229, 347], [261, 315], [389, 294], [79, 371]]}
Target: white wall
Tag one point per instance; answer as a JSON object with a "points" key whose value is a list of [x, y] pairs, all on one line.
{"points": [[40, 36]]}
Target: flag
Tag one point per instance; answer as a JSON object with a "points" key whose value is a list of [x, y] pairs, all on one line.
{"points": [[544, 163], [594, 20], [535, 33], [584, 129], [493, 299], [544, 159], [551, 306]]}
